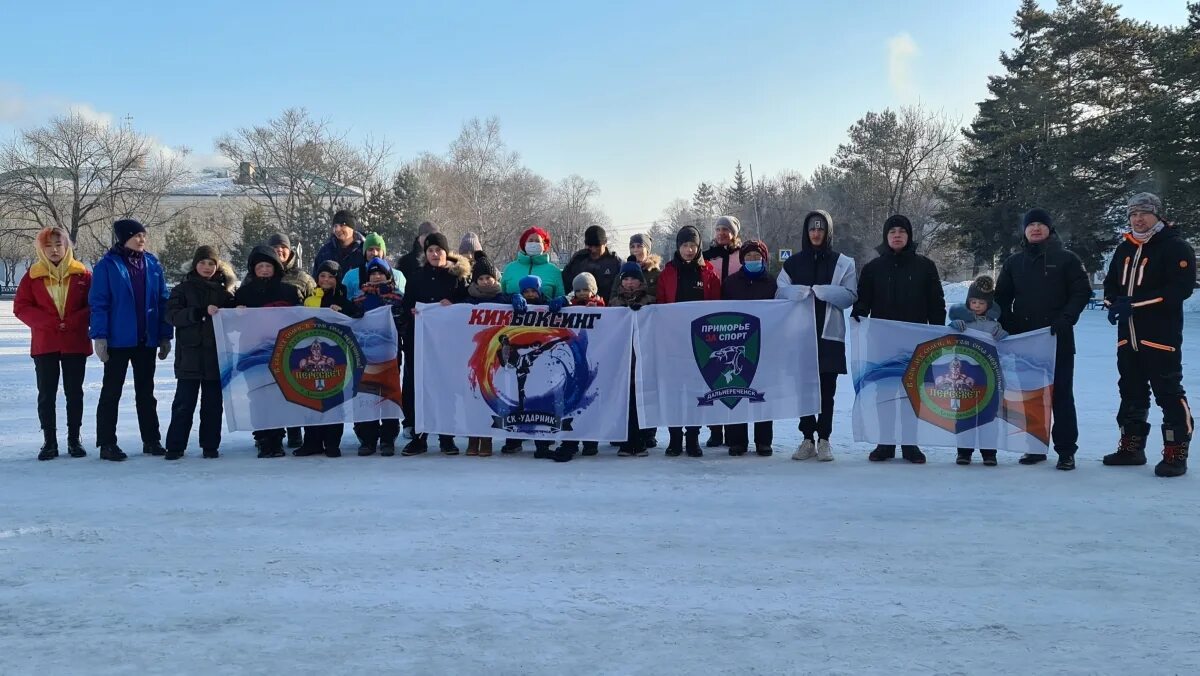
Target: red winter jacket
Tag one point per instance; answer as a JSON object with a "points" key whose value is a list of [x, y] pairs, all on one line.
{"points": [[668, 282], [34, 306]]}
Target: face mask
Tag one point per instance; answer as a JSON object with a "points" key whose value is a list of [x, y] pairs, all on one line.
{"points": [[534, 248], [753, 267]]}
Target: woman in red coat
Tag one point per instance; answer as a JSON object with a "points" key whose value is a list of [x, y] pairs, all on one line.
{"points": [[52, 299]]}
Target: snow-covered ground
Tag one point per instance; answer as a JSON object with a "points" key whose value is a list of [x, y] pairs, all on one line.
{"points": [[508, 565]]}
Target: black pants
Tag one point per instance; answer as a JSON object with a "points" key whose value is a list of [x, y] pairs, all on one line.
{"points": [[377, 431], [1141, 372], [408, 393], [184, 407], [119, 360], [739, 435], [48, 368], [324, 437], [634, 434], [1065, 431], [677, 432], [273, 437], [821, 426]]}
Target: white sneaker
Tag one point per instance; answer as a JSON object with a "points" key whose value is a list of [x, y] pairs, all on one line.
{"points": [[807, 450], [824, 453], [409, 433]]}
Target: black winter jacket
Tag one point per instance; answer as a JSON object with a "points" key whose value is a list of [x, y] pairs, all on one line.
{"points": [[433, 285], [1157, 277], [902, 286], [187, 311], [1039, 284], [273, 292], [605, 269], [740, 286]]}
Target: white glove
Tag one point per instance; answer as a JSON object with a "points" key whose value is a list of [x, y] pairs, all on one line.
{"points": [[100, 347]]}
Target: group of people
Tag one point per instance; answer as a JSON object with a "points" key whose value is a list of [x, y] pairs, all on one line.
{"points": [[123, 312]]}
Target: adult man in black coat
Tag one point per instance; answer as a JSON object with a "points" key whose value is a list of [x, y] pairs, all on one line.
{"points": [[345, 245], [1152, 272], [409, 262], [594, 258], [903, 286], [1043, 285]]}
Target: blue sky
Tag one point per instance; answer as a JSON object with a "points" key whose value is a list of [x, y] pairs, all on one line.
{"points": [[647, 98]]}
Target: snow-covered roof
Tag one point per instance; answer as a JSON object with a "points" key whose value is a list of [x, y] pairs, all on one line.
{"points": [[222, 183]]}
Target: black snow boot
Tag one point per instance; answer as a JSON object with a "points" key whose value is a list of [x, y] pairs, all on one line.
{"points": [[112, 452], [153, 448], [764, 450], [511, 446], [1032, 458], [989, 457], [210, 454], [1131, 450], [74, 445], [173, 455], [49, 450], [650, 439], [964, 456], [716, 437], [417, 446], [308, 448], [563, 453], [295, 437], [542, 450], [1066, 461], [366, 448], [912, 454], [1174, 462], [691, 444], [882, 453], [590, 448], [675, 445], [447, 447], [387, 448], [738, 450]]}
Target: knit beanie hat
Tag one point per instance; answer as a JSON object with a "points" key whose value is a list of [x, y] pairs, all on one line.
{"points": [[126, 228], [344, 217], [983, 288], [204, 252], [595, 236], [375, 240], [279, 239], [529, 232], [483, 266], [730, 222], [469, 244], [426, 228], [1037, 215], [643, 239], [897, 221], [687, 233], [631, 269], [1145, 202], [757, 246], [585, 280], [332, 267], [436, 239], [530, 282], [378, 265]]}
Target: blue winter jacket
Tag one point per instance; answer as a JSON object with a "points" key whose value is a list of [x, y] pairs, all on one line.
{"points": [[111, 301]]}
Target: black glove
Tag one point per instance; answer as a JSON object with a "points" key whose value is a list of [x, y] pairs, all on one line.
{"points": [[1060, 325], [856, 318], [635, 306], [1120, 310]]}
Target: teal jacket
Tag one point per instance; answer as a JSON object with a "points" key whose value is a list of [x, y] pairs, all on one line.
{"points": [[539, 266]]}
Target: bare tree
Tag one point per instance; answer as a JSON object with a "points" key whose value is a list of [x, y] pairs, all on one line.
{"points": [[77, 173], [573, 211]]}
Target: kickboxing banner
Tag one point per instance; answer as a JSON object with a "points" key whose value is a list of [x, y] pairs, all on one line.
{"points": [[487, 371], [725, 362], [293, 366], [931, 385]]}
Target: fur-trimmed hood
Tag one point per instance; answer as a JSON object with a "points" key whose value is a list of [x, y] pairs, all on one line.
{"points": [[459, 265], [652, 262], [223, 268]]}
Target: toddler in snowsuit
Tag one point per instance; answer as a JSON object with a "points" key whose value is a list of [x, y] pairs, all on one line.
{"points": [[379, 290], [329, 294], [631, 293], [206, 289], [979, 313], [584, 294], [484, 288]]}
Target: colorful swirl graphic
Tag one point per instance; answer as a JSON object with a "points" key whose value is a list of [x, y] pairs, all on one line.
{"points": [[566, 400]]}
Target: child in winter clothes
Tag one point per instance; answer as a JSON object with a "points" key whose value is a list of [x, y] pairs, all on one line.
{"points": [[329, 294], [584, 294], [530, 288], [266, 288], [207, 287], [52, 300], [379, 290], [641, 248], [688, 277], [484, 288], [979, 313], [750, 282], [632, 293]]}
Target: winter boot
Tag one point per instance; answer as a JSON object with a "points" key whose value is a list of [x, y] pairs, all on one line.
{"points": [[309, 447], [447, 447], [807, 449], [912, 454], [49, 450], [568, 446], [211, 453], [1131, 450], [387, 447], [563, 453], [675, 445], [650, 439], [295, 437], [472, 447], [153, 448], [367, 447], [590, 448], [716, 437], [112, 452], [511, 446], [882, 453], [964, 456], [824, 451], [1066, 461], [417, 446], [691, 444], [626, 450], [271, 448], [1174, 462], [542, 450], [1032, 458], [173, 455], [334, 452], [74, 446], [989, 457], [763, 450], [485, 447], [739, 450]]}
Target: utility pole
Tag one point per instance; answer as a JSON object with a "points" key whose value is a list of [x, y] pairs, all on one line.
{"points": [[754, 196]]}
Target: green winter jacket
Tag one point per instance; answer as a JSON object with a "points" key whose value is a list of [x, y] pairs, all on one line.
{"points": [[539, 266]]}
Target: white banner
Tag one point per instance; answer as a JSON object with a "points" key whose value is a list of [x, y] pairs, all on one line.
{"points": [[931, 385], [293, 366], [482, 371], [724, 362]]}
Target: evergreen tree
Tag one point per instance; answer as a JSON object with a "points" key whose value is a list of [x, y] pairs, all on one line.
{"points": [[738, 194], [704, 201], [178, 246], [255, 231]]}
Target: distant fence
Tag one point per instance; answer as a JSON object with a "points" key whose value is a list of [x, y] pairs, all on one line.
{"points": [[8, 290]]}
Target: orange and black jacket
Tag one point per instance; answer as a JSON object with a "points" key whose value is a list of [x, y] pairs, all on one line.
{"points": [[1157, 277]]}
